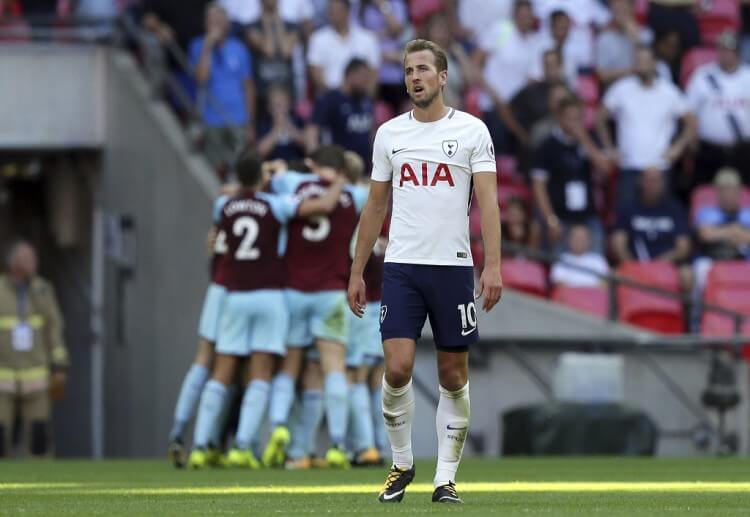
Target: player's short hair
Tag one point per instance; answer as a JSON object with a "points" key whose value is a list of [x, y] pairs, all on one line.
{"points": [[355, 166], [329, 156], [354, 65], [417, 45], [249, 168]]}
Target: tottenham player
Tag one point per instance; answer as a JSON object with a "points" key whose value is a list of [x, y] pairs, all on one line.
{"points": [[317, 270], [254, 319], [197, 375], [430, 157]]}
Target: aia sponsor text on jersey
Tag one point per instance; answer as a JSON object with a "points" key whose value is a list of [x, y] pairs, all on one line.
{"points": [[427, 176]]}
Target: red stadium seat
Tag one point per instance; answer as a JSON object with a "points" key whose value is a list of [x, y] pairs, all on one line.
{"points": [[591, 300], [692, 59], [717, 16], [420, 10], [650, 310], [734, 274], [641, 11], [718, 325], [507, 167], [507, 192], [705, 195], [383, 113], [588, 89], [524, 275], [471, 102]]}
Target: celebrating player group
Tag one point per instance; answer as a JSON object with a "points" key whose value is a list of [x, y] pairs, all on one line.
{"points": [[275, 319]]}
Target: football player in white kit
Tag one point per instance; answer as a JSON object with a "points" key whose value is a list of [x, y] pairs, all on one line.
{"points": [[432, 158]]}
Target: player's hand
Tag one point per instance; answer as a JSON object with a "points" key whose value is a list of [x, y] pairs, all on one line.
{"points": [[356, 295], [491, 286]]}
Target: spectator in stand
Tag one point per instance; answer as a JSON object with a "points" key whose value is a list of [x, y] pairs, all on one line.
{"points": [[542, 129], [675, 16], [580, 266], [654, 227], [719, 93], [345, 116], [647, 110], [281, 135], [174, 22], [724, 229], [474, 15], [332, 47], [272, 41], [559, 39], [615, 47], [562, 178], [246, 12], [585, 17], [507, 50], [519, 228], [463, 71], [223, 70], [531, 105], [388, 19]]}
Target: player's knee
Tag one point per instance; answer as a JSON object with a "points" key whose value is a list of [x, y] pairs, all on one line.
{"points": [[39, 438], [452, 378], [398, 374]]}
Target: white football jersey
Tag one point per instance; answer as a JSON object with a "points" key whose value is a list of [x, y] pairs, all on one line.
{"points": [[430, 165]]}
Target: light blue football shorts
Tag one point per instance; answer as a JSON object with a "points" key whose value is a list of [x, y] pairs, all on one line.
{"points": [[253, 321], [365, 347], [320, 315], [213, 303]]}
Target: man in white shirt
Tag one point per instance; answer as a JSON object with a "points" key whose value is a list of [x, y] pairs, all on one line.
{"points": [[719, 93], [646, 110], [332, 47], [245, 12], [615, 46], [509, 51], [585, 15], [580, 266], [474, 15], [559, 38], [432, 158]]}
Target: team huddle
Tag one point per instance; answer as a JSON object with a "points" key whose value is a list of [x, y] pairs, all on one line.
{"points": [[281, 259], [289, 315]]}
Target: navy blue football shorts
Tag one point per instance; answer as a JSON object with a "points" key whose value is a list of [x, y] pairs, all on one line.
{"points": [[445, 294]]}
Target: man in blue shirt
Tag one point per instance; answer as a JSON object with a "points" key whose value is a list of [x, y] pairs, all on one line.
{"points": [[723, 229], [346, 116], [227, 94], [654, 228]]}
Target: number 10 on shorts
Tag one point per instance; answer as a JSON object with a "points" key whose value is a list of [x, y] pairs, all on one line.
{"points": [[468, 313]]}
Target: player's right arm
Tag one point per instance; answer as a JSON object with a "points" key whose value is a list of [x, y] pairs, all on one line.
{"points": [[324, 204], [370, 224]]}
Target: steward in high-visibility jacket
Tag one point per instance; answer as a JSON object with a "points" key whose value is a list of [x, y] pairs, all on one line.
{"points": [[33, 359]]}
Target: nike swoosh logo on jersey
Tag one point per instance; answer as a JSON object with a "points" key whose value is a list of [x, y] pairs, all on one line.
{"points": [[388, 497], [467, 332], [396, 151], [457, 428]]}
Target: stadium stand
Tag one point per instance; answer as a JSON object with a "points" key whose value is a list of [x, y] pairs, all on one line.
{"points": [[591, 300], [651, 310]]}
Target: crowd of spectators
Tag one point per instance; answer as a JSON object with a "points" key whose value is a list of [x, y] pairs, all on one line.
{"points": [[610, 113]]}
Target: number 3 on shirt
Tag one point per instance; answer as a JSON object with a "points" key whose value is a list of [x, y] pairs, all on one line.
{"points": [[320, 231], [248, 227]]}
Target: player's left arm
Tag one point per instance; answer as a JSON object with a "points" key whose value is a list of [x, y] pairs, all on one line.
{"points": [[490, 283]]}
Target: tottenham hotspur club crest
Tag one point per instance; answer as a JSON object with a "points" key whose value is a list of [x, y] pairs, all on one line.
{"points": [[450, 147]]}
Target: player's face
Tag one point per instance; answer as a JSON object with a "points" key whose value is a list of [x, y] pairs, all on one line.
{"points": [[423, 81]]}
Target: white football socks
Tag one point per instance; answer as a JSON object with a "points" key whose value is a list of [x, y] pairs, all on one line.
{"points": [[452, 424], [398, 411]]}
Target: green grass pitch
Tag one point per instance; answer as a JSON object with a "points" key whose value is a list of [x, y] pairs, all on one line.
{"points": [[511, 487]]}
